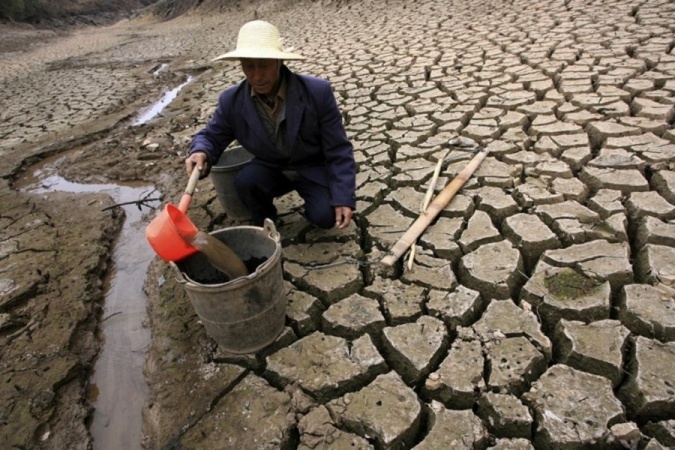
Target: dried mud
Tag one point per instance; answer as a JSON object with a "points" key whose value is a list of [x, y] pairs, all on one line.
{"points": [[474, 347]]}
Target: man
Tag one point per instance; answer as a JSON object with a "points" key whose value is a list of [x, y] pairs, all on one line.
{"points": [[292, 126]]}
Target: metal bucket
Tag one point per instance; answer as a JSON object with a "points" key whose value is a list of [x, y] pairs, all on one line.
{"points": [[222, 176], [248, 313]]}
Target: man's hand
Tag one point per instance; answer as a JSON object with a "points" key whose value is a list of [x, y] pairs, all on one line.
{"points": [[343, 216], [198, 159]]}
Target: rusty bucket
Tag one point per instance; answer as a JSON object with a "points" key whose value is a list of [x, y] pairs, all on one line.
{"points": [[223, 174], [248, 313]]}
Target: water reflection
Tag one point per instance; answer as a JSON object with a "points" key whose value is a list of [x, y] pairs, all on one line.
{"points": [[162, 67], [156, 108]]}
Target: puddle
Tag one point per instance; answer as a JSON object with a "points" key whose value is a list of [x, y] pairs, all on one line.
{"points": [[153, 111], [162, 67], [117, 388]]}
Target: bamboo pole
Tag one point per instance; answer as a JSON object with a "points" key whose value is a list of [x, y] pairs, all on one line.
{"points": [[434, 209]]}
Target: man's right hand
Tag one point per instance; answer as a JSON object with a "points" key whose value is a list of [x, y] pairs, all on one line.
{"points": [[198, 159]]}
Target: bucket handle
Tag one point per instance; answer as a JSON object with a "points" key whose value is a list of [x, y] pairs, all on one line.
{"points": [[269, 227], [177, 272]]}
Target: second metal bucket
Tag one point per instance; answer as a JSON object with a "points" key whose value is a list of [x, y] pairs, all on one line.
{"points": [[246, 314], [222, 176]]}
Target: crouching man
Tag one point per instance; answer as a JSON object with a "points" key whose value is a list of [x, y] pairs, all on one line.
{"points": [[291, 124]]}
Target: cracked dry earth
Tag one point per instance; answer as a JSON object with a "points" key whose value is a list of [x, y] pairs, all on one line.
{"points": [[539, 312]]}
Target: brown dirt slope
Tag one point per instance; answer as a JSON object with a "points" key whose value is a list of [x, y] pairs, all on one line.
{"points": [[38, 11]]}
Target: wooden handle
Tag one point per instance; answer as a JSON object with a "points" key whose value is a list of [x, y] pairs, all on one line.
{"points": [[192, 183], [189, 190]]}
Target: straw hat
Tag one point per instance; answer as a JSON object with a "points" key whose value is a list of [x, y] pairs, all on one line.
{"points": [[259, 39]]}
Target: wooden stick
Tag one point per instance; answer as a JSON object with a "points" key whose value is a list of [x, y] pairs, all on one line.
{"points": [[434, 209], [426, 201], [432, 184], [411, 255]]}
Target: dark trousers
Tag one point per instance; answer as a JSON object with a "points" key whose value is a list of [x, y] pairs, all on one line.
{"points": [[258, 186]]}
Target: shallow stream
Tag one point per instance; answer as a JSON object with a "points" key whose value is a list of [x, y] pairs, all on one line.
{"points": [[156, 108], [117, 388]]}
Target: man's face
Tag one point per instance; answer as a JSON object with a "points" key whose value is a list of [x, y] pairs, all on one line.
{"points": [[261, 74]]}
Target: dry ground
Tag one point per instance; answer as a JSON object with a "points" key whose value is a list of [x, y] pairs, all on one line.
{"points": [[574, 101]]}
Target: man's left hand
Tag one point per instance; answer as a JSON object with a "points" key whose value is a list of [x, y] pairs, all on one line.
{"points": [[343, 216]]}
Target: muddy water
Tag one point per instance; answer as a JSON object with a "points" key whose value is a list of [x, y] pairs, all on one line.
{"points": [[117, 388], [219, 255]]}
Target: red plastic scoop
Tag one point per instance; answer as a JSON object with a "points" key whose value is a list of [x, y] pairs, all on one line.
{"points": [[170, 232]]}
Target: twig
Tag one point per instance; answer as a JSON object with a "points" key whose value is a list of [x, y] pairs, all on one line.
{"points": [[139, 203], [143, 201], [111, 316]]}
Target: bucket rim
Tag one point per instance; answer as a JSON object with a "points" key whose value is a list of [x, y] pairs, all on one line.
{"points": [[231, 167]]}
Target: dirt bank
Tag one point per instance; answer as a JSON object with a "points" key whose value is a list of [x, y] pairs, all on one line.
{"points": [[55, 251], [56, 247]]}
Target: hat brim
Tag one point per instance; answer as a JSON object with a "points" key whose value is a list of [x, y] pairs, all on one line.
{"points": [[258, 54]]}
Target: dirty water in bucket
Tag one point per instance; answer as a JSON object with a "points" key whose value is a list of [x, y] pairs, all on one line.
{"points": [[219, 255], [117, 388]]}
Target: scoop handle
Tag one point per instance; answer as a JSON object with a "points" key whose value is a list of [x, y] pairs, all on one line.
{"points": [[189, 190]]}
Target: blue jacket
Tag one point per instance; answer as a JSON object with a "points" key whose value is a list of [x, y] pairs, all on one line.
{"points": [[320, 150]]}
